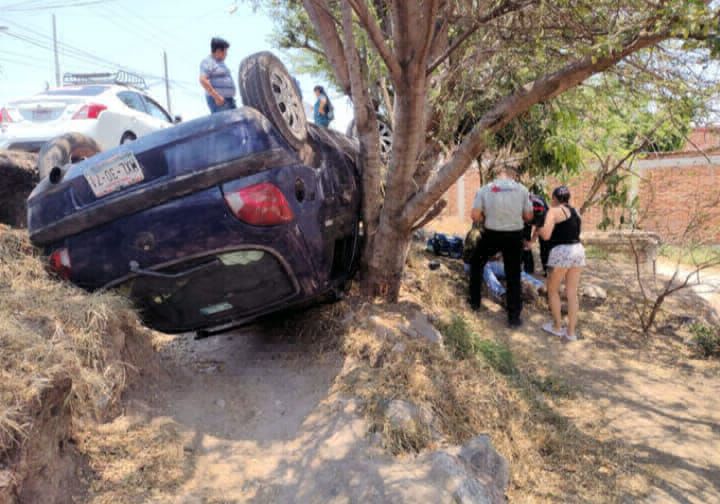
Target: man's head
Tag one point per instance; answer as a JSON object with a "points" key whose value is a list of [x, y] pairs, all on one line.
{"points": [[219, 47], [319, 90], [509, 172]]}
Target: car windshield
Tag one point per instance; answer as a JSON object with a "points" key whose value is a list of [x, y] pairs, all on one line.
{"points": [[76, 91]]}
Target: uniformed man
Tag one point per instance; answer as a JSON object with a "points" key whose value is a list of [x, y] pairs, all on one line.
{"points": [[503, 206]]}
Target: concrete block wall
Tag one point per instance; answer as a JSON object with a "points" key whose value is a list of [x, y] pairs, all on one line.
{"points": [[672, 190]]}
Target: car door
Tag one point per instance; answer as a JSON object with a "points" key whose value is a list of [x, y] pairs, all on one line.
{"points": [[158, 118], [139, 122]]}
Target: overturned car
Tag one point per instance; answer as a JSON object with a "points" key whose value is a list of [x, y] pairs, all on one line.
{"points": [[213, 222]]}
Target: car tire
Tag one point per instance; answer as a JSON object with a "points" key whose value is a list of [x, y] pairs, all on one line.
{"points": [[65, 149], [128, 136], [266, 85], [386, 137]]}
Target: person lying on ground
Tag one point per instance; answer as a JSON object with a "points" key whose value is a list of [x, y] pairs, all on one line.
{"points": [[494, 271]]}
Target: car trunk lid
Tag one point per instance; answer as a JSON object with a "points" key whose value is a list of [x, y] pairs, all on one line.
{"points": [[44, 110], [175, 161]]}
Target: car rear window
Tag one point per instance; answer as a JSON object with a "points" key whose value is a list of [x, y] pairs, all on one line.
{"points": [[77, 91]]}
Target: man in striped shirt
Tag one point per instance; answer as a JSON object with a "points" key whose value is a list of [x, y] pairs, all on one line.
{"points": [[216, 79]]}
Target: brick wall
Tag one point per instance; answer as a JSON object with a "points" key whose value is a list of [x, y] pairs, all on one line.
{"points": [[672, 189]]}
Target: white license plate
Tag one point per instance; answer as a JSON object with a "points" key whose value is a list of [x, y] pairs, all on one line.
{"points": [[114, 174], [42, 114]]}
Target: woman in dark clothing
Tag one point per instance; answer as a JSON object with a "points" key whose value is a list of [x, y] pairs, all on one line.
{"points": [[567, 259]]}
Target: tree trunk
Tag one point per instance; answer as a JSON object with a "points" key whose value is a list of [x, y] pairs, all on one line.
{"points": [[385, 263]]}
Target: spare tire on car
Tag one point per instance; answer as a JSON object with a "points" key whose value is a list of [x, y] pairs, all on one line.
{"points": [[62, 151], [266, 85]]}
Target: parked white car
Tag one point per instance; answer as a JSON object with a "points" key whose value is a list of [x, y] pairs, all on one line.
{"points": [[109, 113]]}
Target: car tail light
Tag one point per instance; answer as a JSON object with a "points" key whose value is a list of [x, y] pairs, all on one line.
{"points": [[60, 263], [260, 205], [5, 115], [89, 111]]}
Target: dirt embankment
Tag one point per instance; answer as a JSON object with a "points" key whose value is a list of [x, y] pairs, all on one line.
{"points": [[65, 357], [18, 173]]}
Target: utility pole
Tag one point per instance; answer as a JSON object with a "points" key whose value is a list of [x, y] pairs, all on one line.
{"points": [[167, 84], [55, 49]]}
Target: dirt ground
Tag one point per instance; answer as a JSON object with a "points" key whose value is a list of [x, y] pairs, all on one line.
{"points": [[648, 394], [259, 417]]}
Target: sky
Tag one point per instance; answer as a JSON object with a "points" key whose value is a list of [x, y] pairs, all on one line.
{"points": [[101, 35]]}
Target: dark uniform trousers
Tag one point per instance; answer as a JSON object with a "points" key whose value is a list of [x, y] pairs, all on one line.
{"points": [[510, 244]]}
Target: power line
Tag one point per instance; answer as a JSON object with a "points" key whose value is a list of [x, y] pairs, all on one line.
{"points": [[57, 5], [41, 40]]}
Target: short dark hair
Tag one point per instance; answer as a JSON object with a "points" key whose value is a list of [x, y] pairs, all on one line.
{"points": [[218, 43], [319, 89], [561, 194]]}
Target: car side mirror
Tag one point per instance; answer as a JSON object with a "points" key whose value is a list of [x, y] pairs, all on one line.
{"points": [[177, 119]]}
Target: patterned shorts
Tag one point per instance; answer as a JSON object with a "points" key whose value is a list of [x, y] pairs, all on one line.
{"points": [[567, 256]]}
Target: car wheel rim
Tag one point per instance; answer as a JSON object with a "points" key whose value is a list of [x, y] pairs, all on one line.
{"points": [[287, 102], [386, 139]]}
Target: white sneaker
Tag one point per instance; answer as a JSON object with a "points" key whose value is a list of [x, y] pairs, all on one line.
{"points": [[548, 328], [569, 337]]}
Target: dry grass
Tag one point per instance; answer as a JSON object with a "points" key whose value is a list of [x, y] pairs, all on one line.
{"points": [[49, 329], [134, 461], [476, 384]]}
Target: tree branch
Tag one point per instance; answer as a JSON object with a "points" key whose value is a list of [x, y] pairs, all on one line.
{"points": [[326, 29], [542, 89], [378, 39], [434, 212], [500, 10]]}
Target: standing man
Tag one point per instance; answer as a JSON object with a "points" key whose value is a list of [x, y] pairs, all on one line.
{"points": [[504, 206], [324, 113], [216, 79]]}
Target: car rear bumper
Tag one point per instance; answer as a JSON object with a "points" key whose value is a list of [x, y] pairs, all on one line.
{"points": [[31, 137], [213, 289]]}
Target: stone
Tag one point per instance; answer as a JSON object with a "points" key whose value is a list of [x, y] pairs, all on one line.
{"points": [[399, 348], [401, 415], [220, 403], [594, 292], [383, 329], [481, 456], [449, 472], [408, 417], [420, 327]]}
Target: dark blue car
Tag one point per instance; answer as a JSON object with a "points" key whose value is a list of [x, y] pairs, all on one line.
{"points": [[213, 222]]}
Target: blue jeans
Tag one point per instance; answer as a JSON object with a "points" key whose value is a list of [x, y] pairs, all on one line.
{"points": [[495, 271], [214, 108]]}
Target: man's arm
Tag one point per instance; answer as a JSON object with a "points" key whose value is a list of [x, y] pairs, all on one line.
{"points": [[476, 214], [323, 105], [205, 83], [207, 86]]}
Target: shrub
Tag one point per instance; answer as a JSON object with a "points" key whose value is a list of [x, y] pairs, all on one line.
{"points": [[705, 339], [459, 338]]}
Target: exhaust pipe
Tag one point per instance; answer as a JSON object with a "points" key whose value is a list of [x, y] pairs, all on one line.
{"points": [[56, 175]]}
